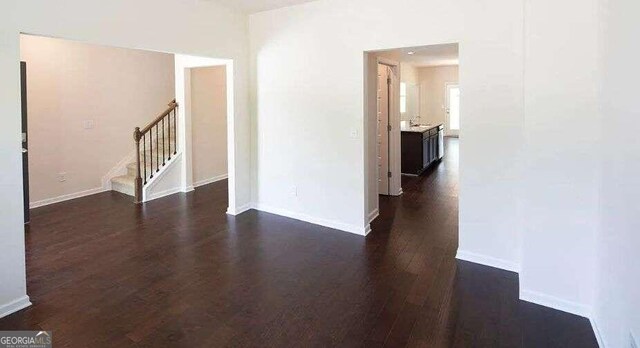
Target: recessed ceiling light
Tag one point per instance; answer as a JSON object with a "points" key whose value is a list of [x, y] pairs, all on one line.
{"points": [[410, 52]]}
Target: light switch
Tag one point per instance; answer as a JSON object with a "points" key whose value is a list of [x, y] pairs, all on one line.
{"points": [[88, 124]]}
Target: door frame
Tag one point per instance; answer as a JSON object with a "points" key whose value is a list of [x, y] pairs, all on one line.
{"points": [[25, 141], [448, 131], [395, 182]]}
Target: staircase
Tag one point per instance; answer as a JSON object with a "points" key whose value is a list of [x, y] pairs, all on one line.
{"points": [[155, 147]]}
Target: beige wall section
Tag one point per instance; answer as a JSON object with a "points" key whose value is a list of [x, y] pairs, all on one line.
{"points": [[433, 99], [70, 83], [209, 124], [409, 73]]}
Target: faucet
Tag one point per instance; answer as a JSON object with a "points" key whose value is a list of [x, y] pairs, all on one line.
{"points": [[412, 121]]}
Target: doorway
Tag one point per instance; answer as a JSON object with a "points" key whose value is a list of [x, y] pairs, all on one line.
{"points": [[207, 101], [385, 107], [25, 142], [406, 106]]}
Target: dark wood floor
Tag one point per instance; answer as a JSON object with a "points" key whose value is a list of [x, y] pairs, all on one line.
{"points": [[179, 272]]}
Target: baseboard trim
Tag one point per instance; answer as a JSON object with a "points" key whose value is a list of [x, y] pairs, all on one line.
{"points": [[14, 306], [555, 303], [161, 194], [359, 230], [487, 261], [210, 180], [237, 211], [67, 197], [596, 331], [373, 215]]}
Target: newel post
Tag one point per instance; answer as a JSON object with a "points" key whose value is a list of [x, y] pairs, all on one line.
{"points": [[138, 182]]}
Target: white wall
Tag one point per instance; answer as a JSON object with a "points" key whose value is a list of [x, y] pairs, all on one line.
{"points": [[617, 305], [528, 175], [70, 82], [307, 116], [209, 123], [561, 157], [198, 28]]}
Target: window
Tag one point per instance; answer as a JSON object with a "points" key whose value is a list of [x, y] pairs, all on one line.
{"points": [[403, 97]]}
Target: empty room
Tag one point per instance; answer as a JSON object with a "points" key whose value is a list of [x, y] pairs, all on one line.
{"points": [[331, 173]]}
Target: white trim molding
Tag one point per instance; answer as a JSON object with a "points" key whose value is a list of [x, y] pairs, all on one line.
{"points": [[14, 306], [487, 261], [359, 230], [151, 196], [373, 215], [210, 180], [556, 303], [67, 197], [596, 331], [233, 211]]}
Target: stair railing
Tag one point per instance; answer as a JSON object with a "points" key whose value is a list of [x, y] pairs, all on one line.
{"points": [[158, 132]]}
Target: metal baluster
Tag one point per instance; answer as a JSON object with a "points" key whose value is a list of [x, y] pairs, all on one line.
{"points": [[175, 131], [157, 150], [163, 143], [144, 156], [169, 131], [151, 152]]}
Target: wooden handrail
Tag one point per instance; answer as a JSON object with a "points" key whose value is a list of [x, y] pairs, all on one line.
{"points": [[142, 134], [157, 120]]}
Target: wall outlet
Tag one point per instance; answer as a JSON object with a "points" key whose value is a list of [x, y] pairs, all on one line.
{"points": [[88, 124], [62, 177], [294, 191], [354, 133]]}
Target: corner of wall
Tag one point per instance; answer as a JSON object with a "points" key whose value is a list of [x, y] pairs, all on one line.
{"points": [[14, 306], [487, 260]]}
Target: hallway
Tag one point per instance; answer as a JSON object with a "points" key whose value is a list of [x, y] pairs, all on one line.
{"points": [[178, 271]]}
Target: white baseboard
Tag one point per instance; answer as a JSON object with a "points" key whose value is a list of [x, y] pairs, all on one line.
{"points": [[14, 306], [596, 331], [237, 211], [210, 180], [487, 261], [373, 215], [161, 194], [359, 230], [67, 197], [555, 303]]}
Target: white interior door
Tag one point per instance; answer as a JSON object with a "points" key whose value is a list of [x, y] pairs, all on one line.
{"points": [[452, 128], [383, 129]]}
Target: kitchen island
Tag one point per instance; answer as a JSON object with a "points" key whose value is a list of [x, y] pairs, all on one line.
{"points": [[421, 146]]}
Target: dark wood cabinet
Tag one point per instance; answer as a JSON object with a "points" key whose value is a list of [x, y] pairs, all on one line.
{"points": [[420, 149]]}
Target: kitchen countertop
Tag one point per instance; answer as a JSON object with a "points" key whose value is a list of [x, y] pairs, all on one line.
{"points": [[420, 128]]}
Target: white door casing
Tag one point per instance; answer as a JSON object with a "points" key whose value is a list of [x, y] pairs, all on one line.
{"points": [[382, 132]]}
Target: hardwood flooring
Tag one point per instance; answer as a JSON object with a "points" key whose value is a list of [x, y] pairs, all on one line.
{"points": [[178, 272]]}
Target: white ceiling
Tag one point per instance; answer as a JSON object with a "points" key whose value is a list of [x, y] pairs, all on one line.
{"points": [[433, 55], [253, 6]]}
